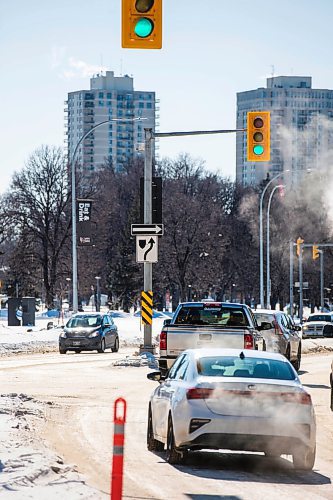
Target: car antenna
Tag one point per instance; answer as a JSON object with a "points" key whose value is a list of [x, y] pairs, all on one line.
{"points": [[242, 355]]}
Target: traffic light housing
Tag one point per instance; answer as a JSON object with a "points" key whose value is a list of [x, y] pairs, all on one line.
{"points": [[142, 24], [315, 252], [299, 242], [258, 136]]}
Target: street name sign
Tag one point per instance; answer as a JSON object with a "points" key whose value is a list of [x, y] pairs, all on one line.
{"points": [[147, 229]]}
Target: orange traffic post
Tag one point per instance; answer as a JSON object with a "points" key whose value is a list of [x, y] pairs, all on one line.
{"points": [[118, 449]]}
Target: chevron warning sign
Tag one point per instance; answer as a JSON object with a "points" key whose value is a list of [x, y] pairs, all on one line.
{"points": [[147, 307]]}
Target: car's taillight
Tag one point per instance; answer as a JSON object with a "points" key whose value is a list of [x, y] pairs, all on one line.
{"points": [[199, 393], [248, 341], [277, 328], [302, 398], [163, 340]]}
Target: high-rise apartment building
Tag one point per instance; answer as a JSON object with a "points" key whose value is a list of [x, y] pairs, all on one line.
{"points": [[301, 128], [109, 98]]}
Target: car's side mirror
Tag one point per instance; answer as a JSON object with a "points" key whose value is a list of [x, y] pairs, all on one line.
{"points": [[265, 325], [166, 322], [155, 376]]}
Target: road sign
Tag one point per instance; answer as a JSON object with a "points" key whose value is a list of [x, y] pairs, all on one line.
{"points": [[147, 229], [305, 284], [147, 307], [146, 248]]}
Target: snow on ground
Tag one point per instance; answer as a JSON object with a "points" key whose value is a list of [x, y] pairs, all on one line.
{"points": [[24, 339], [28, 469]]}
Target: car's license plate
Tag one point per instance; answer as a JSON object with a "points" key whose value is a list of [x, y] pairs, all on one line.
{"points": [[76, 342]]}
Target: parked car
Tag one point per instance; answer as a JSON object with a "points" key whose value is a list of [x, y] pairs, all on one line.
{"points": [[89, 332], [232, 399], [318, 325], [284, 336]]}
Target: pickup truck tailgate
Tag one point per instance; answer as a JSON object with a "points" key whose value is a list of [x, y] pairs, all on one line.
{"points": [[180, 338]]}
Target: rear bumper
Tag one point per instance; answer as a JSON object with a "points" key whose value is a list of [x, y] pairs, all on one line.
{"points": [[247, 433], [246, 442]]}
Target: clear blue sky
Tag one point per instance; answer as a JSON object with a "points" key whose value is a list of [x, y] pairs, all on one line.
{"points": [[48, 49]]}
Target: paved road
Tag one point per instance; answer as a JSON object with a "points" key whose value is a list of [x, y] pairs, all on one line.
{"points": [[78, 425]]}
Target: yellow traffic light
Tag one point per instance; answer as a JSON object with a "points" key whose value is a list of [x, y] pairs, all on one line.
{"points": [[299, 242], [258, 136], [142, 24], [315, 252]]}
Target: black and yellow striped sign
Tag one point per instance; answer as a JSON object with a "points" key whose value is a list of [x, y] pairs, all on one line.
{"points": [[147, 307]]}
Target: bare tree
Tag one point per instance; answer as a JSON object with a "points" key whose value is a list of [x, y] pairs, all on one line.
{"points": [[34, 213]]}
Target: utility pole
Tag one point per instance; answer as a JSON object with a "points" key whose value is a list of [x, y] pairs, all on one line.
{"points": [[321, 280], [291, 277], [300, 273]]}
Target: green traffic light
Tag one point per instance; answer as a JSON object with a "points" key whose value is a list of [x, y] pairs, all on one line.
{"points": [[143, 27], [258, 149]]}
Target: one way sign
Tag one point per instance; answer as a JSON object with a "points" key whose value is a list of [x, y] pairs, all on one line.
{"points": [[146, 249], [147, 229]]}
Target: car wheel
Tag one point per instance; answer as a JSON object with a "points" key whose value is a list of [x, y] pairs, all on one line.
{"points": [[78, 351], [62, 351], [297, 363], [101, 349], [152, 443], [173, 455], [304, 458], [328, 331], [115, 348]]}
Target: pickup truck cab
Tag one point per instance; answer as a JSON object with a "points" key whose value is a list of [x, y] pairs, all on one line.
{"points": [[208, 324]]}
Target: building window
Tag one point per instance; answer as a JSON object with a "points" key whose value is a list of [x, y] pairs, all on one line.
{"points": [[109, 95], [101, 95]]}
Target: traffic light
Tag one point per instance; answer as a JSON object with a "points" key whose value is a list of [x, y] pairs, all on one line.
{"points": [[142, 24], [258, 136], [299, 242], [315, 252]]}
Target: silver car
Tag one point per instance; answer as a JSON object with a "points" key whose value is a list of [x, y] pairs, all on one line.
{"points": [[232, 399], [283, 337]]}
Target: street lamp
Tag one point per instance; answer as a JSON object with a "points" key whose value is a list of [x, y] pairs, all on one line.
{"points": [[261, 243], [268, 277], [72, 164]]}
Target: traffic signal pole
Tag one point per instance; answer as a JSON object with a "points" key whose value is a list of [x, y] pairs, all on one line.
{"points": [[291, 277], [147, 217], [321, 280], [148, 175]]}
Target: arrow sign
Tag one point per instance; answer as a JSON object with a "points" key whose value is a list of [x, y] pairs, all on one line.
{"points": [[146, 248], [147, 229]]}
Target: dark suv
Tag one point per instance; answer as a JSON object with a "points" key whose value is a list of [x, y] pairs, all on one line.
{"points": [[89, 332], [284, 336]]}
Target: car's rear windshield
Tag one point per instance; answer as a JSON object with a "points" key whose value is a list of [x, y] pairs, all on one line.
{"points": [[260, 317], [84, 322], [234, 366], [212, 315], [320, 317]]}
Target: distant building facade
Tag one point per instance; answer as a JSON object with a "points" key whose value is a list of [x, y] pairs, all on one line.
{"points": [[301, 128], [109, 98]]}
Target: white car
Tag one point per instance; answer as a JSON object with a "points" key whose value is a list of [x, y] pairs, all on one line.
{"points": [[318, 325], [232, 399]]}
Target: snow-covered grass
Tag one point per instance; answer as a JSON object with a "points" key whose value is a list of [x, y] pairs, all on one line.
{"points": [[21, 339]]}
